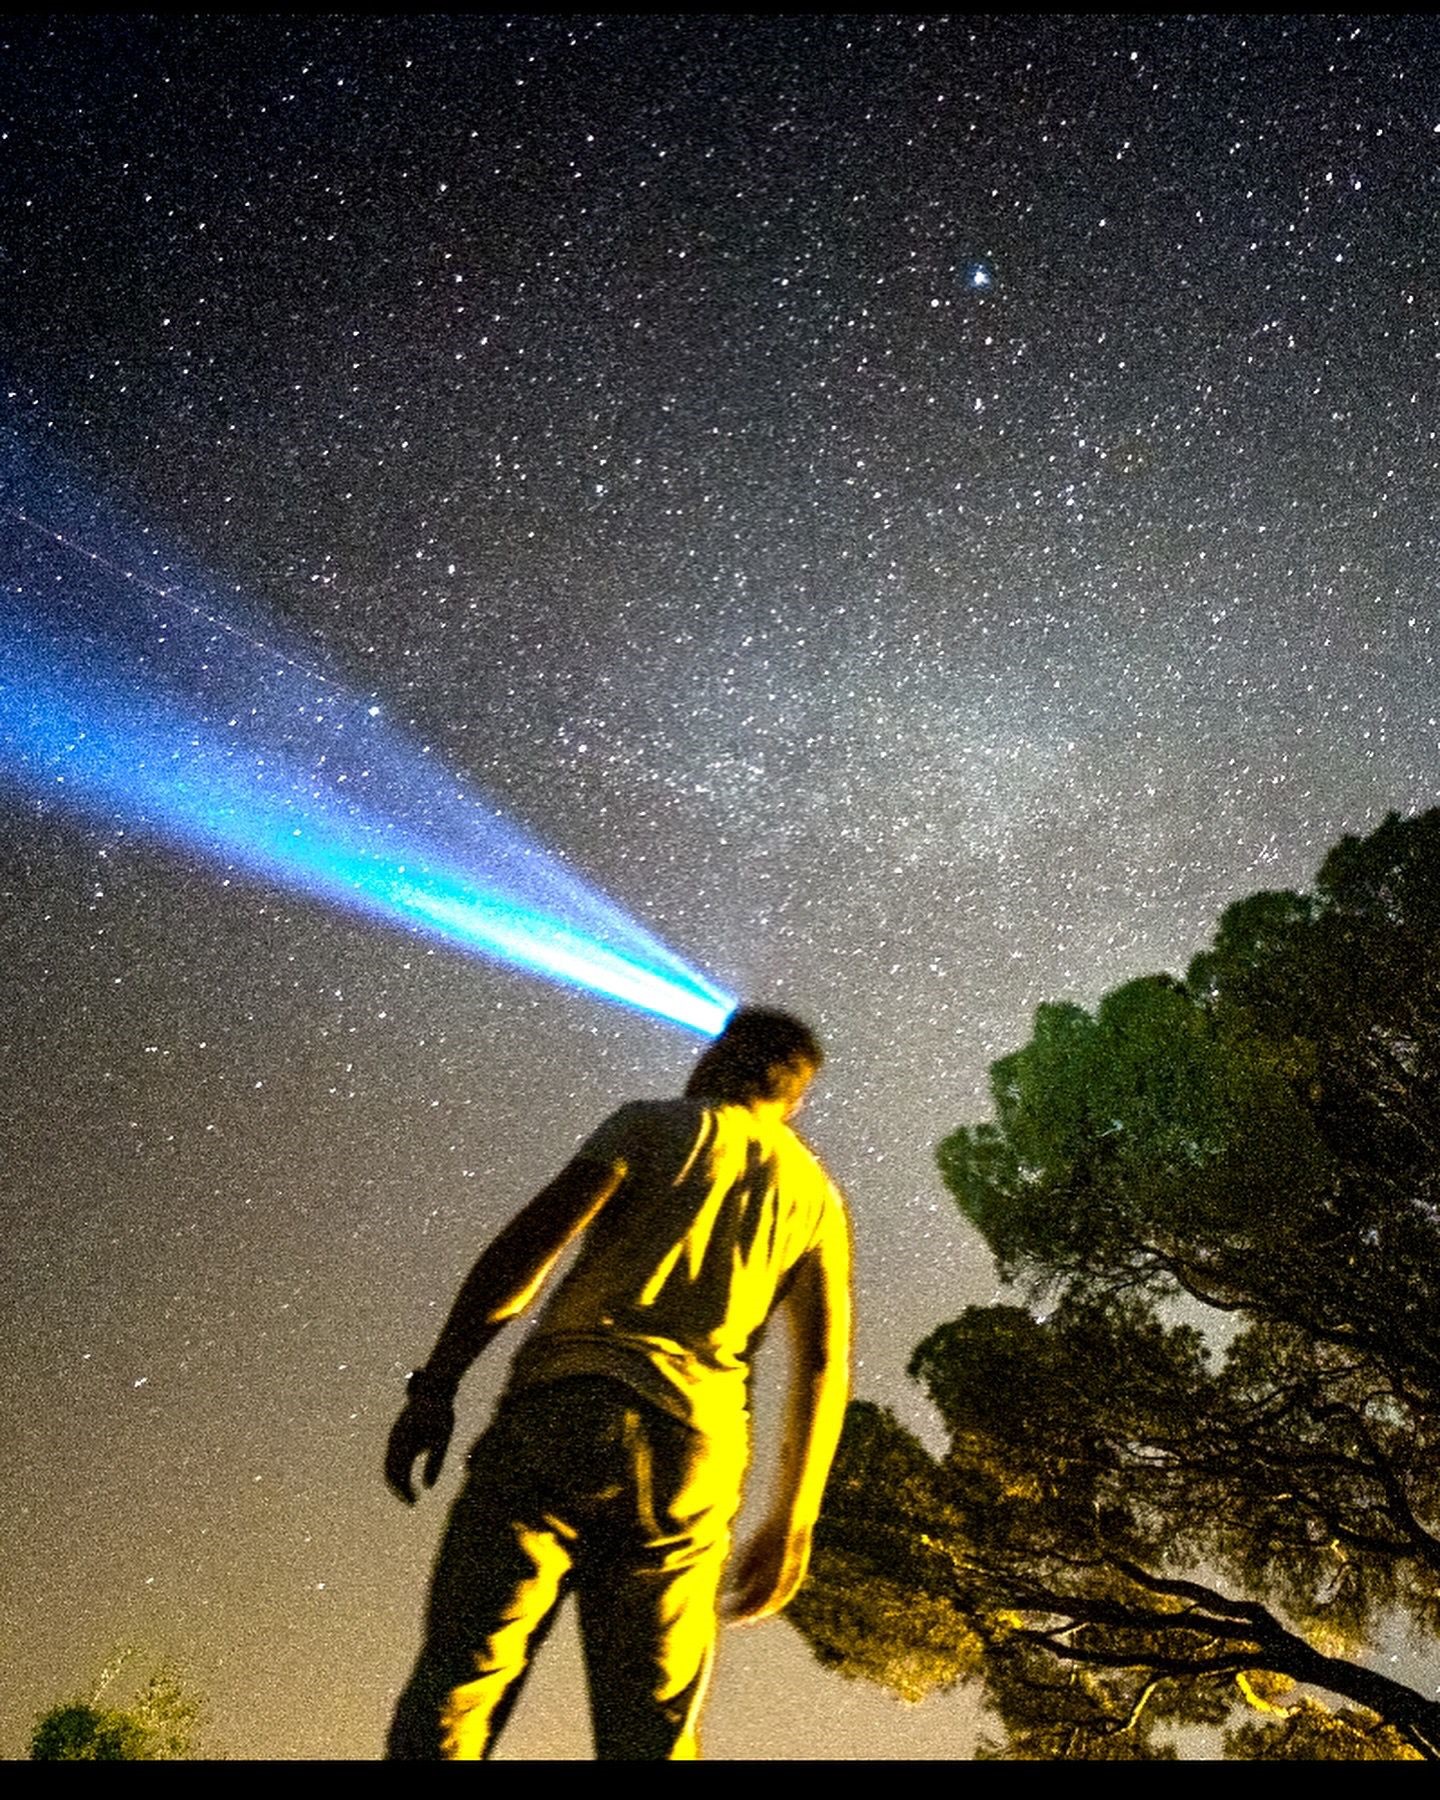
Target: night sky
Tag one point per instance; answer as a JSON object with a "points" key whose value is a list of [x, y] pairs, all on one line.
{"points": [[921, 512]]}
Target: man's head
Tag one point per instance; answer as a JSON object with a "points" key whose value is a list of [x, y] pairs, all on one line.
{"points": [[760, 1058]]}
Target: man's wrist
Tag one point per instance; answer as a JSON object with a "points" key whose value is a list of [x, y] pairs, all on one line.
{"points": [[426, 1388]]}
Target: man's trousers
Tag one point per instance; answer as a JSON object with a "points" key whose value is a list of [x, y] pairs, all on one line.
{"points": [[579, 1484]]}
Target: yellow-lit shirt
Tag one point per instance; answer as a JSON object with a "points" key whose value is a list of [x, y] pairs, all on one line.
{"points": [[686, 1260]]}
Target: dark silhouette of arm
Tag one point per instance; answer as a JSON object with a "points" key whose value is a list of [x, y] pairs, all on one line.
{"points": [[509, 1274]]}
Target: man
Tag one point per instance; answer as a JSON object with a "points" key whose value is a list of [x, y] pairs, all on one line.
{"points": [[615, 1460]]}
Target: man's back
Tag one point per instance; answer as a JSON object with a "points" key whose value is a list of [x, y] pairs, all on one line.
{"points": [[680, 1271]]}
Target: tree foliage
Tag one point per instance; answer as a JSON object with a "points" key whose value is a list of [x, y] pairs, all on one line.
{"points": [[158, 1725], [1145, 1523]]}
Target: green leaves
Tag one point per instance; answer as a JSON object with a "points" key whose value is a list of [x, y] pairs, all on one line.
{"points": [[1143, 1142], [159, 1724], [1133, 1531]]}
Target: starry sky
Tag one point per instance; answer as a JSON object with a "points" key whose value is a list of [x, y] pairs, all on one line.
{"points": [[921, 511]]}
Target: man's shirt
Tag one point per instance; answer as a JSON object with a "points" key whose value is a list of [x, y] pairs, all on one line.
{"points": [[686, 1260]]}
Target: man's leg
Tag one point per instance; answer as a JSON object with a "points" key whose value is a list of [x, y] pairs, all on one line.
{"points": [[500, 1575], [648, 1590]]}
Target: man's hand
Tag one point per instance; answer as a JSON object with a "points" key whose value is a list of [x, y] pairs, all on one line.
{"points": [[769, 1573], [423, 1429], [509, 1274]]}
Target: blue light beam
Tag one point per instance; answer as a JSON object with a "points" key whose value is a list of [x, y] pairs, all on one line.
{"points": [[120, 699]]}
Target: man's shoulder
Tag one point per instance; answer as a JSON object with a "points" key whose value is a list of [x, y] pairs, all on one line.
{"points": [[635, 1123], [801, 1151], [659, 1114]]}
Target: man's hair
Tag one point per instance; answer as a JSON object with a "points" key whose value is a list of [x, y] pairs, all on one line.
{"points": [[760, 1055]]}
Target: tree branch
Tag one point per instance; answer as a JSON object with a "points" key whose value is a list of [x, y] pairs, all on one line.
{"points": [[1260, 1640]]}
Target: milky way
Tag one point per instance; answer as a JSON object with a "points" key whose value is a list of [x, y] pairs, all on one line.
{"points": [[923, 512]]}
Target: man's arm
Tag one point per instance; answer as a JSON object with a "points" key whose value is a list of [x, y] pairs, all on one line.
{"points": [[818, 1305], [509, 1274]]}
